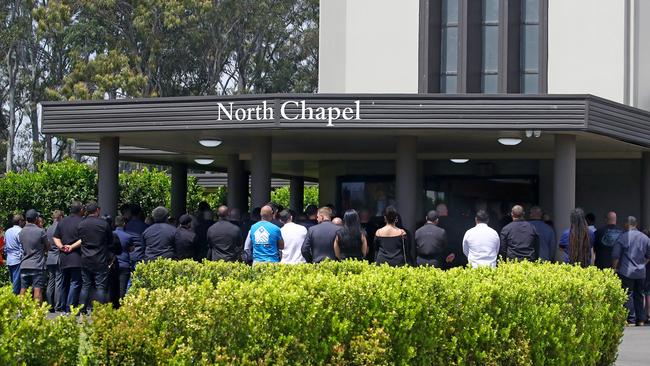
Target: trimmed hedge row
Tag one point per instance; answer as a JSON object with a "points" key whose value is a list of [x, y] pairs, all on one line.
{"points": [[352, 313]]}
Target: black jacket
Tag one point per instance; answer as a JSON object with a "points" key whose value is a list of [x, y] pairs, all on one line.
{"points": [[159, 241], [319, 242], [225, 241], [519, 240], [185, 243], [431, 245]]}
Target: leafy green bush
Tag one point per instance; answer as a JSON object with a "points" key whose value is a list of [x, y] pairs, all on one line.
{"points": [[4, 276], [280, 196], [358, 314], [54, 185], [350, 313], [151, 188], [50, 187], [27, 337]]}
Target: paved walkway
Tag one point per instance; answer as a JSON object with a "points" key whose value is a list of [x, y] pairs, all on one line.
{"points": [[635, 349]]}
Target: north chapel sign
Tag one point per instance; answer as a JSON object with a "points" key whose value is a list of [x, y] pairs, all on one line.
{"points": [[291, 110]]}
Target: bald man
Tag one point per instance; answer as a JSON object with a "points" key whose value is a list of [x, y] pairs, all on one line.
{"points": [[519, 239], [266, 238], [605, 238]]}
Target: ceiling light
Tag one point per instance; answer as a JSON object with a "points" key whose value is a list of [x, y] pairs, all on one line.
{"points": [[204, 161], [459, 161], [210, 143], [509, 141]]}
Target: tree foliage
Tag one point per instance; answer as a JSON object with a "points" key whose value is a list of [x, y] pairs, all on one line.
{"points": [[97, 49]]}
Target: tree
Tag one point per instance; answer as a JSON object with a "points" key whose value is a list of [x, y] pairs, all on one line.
{"points": [[97, 49]]}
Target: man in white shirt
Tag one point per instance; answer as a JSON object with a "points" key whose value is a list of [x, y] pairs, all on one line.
{"points": [[481, 243], [293, 235]]}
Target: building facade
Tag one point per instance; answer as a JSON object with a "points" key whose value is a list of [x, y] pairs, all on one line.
{"points": [[476, 103]]}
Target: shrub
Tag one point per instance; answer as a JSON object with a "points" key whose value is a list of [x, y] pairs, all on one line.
{"points": [[4, 276], [281, 195], [54, 185], [27, 337], [351, 313], [358, 314]]}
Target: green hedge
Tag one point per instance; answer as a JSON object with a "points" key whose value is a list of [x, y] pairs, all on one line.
{"points": [[186, 313], [4, 276], [27, 337], [54, 185], [353, 313]]}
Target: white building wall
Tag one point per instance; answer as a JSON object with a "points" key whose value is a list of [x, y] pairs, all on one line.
{"points": [[368, 46], [641, 55], [586, 48]]}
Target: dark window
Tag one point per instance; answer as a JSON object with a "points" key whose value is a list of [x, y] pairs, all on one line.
{"points": [[449, 47], [490, 44], [530, 45]]}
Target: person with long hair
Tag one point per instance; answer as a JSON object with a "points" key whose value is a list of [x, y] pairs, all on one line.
{"points": [[351, 241], [577, 241], [391, 241]]}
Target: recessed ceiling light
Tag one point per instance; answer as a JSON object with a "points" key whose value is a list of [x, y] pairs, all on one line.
{"points": [[204, 161], [509, 141], [459, 161], [210, 143]]}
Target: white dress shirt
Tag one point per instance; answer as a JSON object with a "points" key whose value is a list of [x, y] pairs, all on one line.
{"points": [[481, 246], [293, 236]]}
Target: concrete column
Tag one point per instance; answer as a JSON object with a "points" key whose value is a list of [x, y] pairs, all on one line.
{"points": [[645, 190], [235, 182], [406, 172], [245, 191], [108, 180], [179, 190], [296, 193], [327, 183], [261, 171], [545, 181], [564, 181]]}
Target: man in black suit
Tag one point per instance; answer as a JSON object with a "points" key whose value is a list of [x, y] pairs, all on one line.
{"points": [[225, 240], [431, 243]]}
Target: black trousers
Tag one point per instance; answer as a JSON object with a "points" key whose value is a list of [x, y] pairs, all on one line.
{"points": [[125, 276], [634, 304], [54, 287], [114, 285]]}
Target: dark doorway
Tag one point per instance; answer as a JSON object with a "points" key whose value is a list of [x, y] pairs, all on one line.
{"points": [[464, 195]]}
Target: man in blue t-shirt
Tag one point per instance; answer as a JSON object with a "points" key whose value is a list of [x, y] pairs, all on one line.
{"points": [[266, 239]]}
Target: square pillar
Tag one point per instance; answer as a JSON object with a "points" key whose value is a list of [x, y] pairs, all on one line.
{"points": [[564, 182], [296, 193], [236, 182], [261, 171], [645, 190], [406, 173], [327, 183], [179, 190], [108, 170]]}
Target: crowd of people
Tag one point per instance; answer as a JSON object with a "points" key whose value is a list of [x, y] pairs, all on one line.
{"points": [[86, 256]]}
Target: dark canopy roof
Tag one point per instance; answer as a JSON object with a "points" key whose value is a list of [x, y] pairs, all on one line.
{"points": [[89, 120]]}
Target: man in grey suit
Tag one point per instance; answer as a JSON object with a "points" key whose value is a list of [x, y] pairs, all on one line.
{"points": [[431, 243], [319, 242], [224, 239]]}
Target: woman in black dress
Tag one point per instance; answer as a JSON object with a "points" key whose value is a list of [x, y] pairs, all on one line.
{"points": [[350, 241], [391, 241]]}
